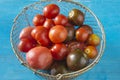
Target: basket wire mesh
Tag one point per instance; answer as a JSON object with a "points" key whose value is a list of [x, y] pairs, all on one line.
{"points": [[25, 19]]}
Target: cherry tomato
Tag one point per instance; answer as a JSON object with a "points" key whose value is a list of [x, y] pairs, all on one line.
{"points": [[77, 60], [82, 34], [94, 40], [59, 51], [25, 45], [39, 58], [40, 34], [38, 20], [48, 24], [91, 52], [61, 20], [58, 34], [88, 28], [26, 33], [76, 45], [58, 68], [51, 11], [71, 33], [76, 17]]}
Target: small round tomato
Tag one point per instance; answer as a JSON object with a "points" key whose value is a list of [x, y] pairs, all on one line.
{"points": [[61, 20], [25, 45], [88, 28], [76, 17], [76, 45], [77, 60], [38, 20], [58, 68], [58, 34], [48, 24], [71, 33], [94, 40], [39, 58], [40, 34], [51, 11], [26, 33], [59, 51], [82, 35], [91, 52]]}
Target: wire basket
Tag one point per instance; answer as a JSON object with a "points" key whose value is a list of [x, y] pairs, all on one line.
{"points": [[24, 18]]}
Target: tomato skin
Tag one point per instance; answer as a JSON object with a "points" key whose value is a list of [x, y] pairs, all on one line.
{"points": [[51, 11], [91, 52], [38, 20], [26, 33], [61, 20], [58, 34], [69, 24], [39, 58], [82, 34], [76, 45], [71, 33], [59, 51], [25, 45], [48, 24], [40, 34], [88, 28]]}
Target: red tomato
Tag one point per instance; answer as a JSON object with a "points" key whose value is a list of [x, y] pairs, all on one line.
{"points": [[40, 34], [39, 58], [48, 24], [51, 11], [61, 20], [26, 33], [59, 51], [91, 52], [82, 34], [38, 20], [25, 45], [58, 34]]}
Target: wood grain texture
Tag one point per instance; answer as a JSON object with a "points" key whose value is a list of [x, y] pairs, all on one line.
{"points": [[108, 11]]}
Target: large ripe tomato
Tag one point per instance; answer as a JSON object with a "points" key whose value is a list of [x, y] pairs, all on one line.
{"points": [[26, 33], [25, 45], [51, 11], [38, 20], [61, 20], [39, 58], [48, 24], [58, 34], [59, 51], [40, 34], [82, 34]]}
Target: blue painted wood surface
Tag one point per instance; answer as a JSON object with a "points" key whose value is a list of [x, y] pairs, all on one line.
{"points": [[108, 11]]}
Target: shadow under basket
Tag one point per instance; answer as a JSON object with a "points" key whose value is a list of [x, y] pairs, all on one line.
{"points": [[24, 18]]}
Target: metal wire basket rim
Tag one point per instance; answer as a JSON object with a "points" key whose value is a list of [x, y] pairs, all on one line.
{"points": [[75, 72]]}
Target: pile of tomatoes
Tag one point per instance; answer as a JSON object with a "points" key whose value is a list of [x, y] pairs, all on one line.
{"points": [[55, 44]]}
